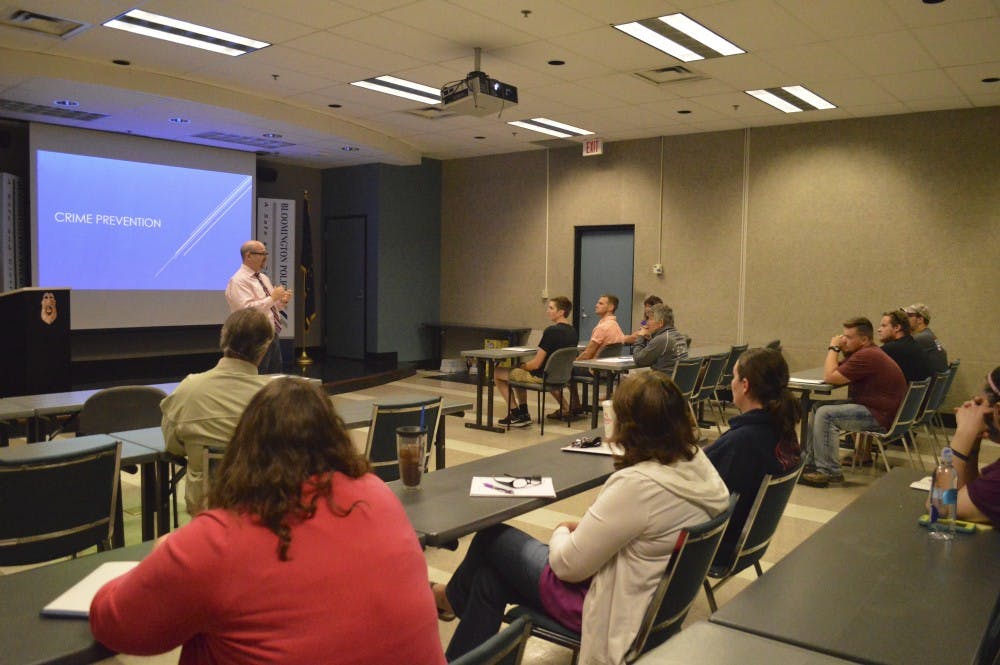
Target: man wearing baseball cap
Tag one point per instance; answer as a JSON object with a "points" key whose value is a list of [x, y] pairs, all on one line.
{"points": [[920, 318]]}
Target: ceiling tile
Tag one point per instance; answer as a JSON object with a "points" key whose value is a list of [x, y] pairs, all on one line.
{"points": [[548, 18], [885, 53], [912, 86], [962, 43], [844, 18]]}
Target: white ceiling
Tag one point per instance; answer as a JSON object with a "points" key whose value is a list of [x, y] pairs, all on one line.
{"points": [[869, 57]]}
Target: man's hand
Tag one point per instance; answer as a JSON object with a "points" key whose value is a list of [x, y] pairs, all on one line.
{"points": [[280, 296], [837, 340], [569, 525]]}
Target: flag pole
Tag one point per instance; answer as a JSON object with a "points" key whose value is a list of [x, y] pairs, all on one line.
{"points": [[304, 360]]}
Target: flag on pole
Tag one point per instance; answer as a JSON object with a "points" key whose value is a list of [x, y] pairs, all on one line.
{"points": [[306, 267]]}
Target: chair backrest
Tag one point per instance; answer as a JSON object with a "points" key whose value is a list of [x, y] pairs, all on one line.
{"points": [[714, 366], [504, 648], [762, 521], [120, 409], [58, 503], [953, 366], [935, 394], [681, 581], [686, 373], [209, 467], [559, 366], [380, 449], [908, 409], [727, 371], [988, 652], [773, 344], [610, 351]]}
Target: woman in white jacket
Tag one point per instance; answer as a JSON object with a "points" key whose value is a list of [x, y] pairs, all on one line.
{"points": [[598, 575]]}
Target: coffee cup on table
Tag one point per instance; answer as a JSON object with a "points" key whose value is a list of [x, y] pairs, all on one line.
{"points": [[609, 419], [411, 442]]}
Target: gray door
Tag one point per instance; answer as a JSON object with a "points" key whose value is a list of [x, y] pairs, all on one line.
{"points": [[345, 294], [604, 262]]}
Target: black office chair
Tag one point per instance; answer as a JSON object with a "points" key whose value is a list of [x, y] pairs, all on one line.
{"points": [[504, 648], [380, 448], [755, 536], [58, 502], [674, 595], [556, 375], [773, 344]]}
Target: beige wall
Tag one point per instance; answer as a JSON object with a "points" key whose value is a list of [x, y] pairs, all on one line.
{"points": [[841, 218]]}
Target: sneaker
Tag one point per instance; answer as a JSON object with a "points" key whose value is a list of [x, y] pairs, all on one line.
{"points": [[809, 468], [557, 415], [520, 419], [814, 479], [512, 418]]}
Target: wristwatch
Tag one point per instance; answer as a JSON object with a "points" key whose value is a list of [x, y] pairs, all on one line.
{"points": [[835, 348]]}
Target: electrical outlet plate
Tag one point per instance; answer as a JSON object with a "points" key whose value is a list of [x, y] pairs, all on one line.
{"points": [[657, 268]]}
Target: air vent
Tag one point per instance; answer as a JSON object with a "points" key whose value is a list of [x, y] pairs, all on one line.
{"points": [[666, 75], [254, 141], [47, 25], [431, 113], [557, 143], [15, 106]]}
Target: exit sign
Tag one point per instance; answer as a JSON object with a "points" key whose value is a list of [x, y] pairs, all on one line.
{"points": [[593, 147]]}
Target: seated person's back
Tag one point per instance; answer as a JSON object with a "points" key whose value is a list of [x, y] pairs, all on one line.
{"points": [[203, 410], [760, 441], [301, 557]]}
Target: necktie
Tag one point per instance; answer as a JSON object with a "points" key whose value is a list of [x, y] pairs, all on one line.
{"points": [[274, 311]]}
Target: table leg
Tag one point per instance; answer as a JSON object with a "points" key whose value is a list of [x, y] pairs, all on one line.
{"points": [[489, 393], [595, 399], [148, 493], [485, 379], [439, 439]]}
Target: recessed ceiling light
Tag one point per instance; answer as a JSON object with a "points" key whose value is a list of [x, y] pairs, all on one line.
{"points": [[392, 85], [180, 121], [991, 79], [679, 36], [271, 135], [182, 32], [557, 63], [791, 99], [350, 148], [123, 63], [66, 103], [479, 138], [551, 127], [684, 111], [335, 106]]}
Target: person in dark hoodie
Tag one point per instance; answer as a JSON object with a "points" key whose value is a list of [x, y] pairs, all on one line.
{"points": [[761, 440]]}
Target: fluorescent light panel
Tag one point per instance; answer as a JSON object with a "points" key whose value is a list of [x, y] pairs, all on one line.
{"points": [[680, 37], [791, 99], [392, 85], [551, 127], [181, 32]]}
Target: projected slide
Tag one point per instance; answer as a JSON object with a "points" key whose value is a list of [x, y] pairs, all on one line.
{"points": [[108, 224]]}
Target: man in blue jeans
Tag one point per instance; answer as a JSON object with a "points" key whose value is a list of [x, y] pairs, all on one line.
{"points": [[876, 388]]}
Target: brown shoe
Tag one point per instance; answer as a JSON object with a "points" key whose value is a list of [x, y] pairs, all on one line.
{"points": [[814, 479]]}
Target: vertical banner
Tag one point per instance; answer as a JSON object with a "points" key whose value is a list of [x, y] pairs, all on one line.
{"points": [[276, 229]]}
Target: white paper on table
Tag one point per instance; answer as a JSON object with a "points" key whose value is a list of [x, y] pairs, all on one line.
{"points": [[479, 488], [75, 601], [521, 349], [604, 449], [620, 360], [815, 382], [924, 484]]}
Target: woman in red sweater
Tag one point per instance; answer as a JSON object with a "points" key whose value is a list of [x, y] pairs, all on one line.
{"points": [[303, 556]]}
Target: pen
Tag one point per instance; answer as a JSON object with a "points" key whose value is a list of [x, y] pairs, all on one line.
{"points": [[499, 489]]}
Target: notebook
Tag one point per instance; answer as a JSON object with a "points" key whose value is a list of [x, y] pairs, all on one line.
{"points": [[75, 601], [604, 449]]}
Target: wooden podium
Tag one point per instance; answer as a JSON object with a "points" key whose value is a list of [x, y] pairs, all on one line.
{"points": [[34, 341]]}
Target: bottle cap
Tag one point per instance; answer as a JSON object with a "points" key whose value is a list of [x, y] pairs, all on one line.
{"points": [[946, 455]]}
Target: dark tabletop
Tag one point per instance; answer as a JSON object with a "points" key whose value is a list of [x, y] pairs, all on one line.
{"points": [[443, 510], [707, 643], [132, 453], [27, 637], [871, 585]]}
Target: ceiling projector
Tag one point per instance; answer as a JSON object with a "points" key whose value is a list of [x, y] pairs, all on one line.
{"points": [[477, 94]]}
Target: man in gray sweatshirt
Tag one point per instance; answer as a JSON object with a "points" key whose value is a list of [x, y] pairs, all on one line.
{"points": [[664, 346]]}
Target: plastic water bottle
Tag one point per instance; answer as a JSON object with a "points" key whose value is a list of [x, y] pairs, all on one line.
{"points": [[944, 499]]}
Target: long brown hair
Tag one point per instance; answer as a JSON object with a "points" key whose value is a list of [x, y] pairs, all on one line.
{"points": [[766, 373], [287, 444], [653, 421]]}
